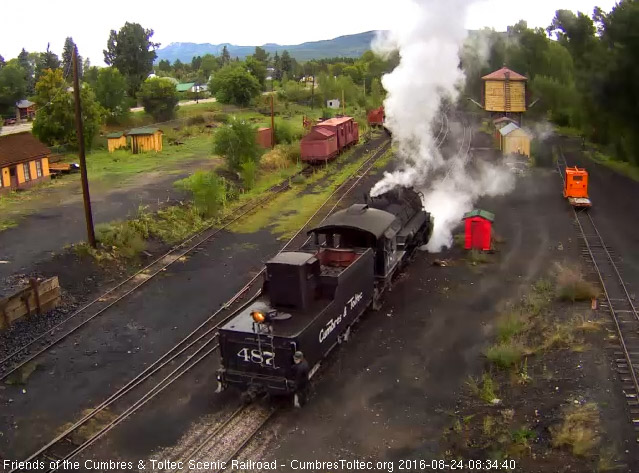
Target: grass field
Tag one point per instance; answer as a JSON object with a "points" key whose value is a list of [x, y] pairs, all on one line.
{"points": [[627, 169], [287, 212], [107, 171]]}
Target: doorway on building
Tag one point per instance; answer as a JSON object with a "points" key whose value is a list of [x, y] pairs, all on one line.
{"points": [[13, 176]]}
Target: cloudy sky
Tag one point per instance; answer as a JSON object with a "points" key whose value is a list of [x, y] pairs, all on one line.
{"points": [[34, 23]]}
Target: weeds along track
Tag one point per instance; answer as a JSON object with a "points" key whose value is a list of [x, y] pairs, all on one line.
{"points": [[617, 301], [17, 359], [190, 351], [98, 306]]}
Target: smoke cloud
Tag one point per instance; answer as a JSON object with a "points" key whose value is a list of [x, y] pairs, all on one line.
{"points": [[428, 77]]}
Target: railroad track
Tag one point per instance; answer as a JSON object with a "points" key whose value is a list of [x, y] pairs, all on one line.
{"points": [[189, 352], [227, 439], [98, 306], [20, 357], [617, 301]]}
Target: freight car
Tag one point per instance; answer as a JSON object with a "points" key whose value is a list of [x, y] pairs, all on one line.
{"points": [[376, 117], [329, 138], [312, 297]]}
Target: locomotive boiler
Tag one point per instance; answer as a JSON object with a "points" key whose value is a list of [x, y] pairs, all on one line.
{"points": [[312, 297]]}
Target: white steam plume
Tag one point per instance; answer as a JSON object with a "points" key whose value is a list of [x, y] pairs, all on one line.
{"points": [[429, 43]]}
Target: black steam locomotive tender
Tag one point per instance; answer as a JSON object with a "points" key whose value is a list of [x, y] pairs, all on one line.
{"points": [[311, 297]]}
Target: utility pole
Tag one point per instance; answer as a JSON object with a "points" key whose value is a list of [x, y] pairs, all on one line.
{"points": [[272, 123], [83, 162], [343, 103], [313, 91]]}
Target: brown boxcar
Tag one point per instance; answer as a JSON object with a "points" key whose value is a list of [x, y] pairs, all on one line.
{"points": [[319, 145], [345, 128], [376, 117]]}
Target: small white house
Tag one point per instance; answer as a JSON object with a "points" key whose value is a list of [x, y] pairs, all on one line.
{"points": [[334, 103]]}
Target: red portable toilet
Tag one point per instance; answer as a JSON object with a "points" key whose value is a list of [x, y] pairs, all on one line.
{"points": [[479, 225]]}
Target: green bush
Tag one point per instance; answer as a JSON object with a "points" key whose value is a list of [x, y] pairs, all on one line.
{"points": [[249, 173], [209, 192], [220, 117], [292, 152], [159, 98], [237, 143], [196, 120], [506, 354], [283, 132], [121, 238], [327, 113]]}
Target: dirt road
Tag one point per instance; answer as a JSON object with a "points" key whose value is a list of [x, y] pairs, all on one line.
{"points": [[18, 128], [60, 220]]}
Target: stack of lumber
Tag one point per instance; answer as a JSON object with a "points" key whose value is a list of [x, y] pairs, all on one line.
{"points": [[39, 297]]}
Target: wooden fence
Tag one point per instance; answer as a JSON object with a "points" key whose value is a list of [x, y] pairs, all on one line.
{"points": [[38, 298]]}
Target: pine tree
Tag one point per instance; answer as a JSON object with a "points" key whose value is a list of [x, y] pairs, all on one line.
{"points": [[226, 57], [27, 65]]}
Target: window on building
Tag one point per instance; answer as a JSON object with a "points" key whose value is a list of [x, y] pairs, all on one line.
{"points": [[39, 168], [27, 175]]}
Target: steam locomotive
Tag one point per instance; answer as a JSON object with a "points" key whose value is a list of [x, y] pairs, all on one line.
{"points": [[311, 297]]}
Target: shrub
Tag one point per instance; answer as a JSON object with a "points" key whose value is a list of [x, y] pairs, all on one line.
{"points": [[220, 117], [505, 354], [509, 326], [571, 286], [327, 113], [159, 98], [209, 192], [175, 223], [274, 159], [578, 429], [249, 173], [237, 143], [121, 238], [485, 389], [282, 156], [196, 120], [283, 132], [292, 152]]}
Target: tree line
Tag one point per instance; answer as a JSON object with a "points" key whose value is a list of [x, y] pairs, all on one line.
{"points": [[582, 71]]}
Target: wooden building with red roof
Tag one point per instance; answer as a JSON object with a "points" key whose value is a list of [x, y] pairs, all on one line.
{"points": [[504, 93], [24, 161]]}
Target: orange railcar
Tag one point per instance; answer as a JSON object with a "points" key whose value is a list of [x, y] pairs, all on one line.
{"points": [[576, 187]]}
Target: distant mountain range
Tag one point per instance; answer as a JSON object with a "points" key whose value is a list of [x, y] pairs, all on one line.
{"points": [[343, 46]]}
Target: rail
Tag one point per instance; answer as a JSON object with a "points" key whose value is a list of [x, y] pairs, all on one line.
{"points": [[117, 293], [618, 300], [189, 352]]}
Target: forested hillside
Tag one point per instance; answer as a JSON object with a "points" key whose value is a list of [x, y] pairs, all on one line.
{"points": [[582, 68]]}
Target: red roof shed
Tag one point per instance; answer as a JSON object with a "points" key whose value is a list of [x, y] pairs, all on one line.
{"points": [[319, 145], [478, 225]]}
